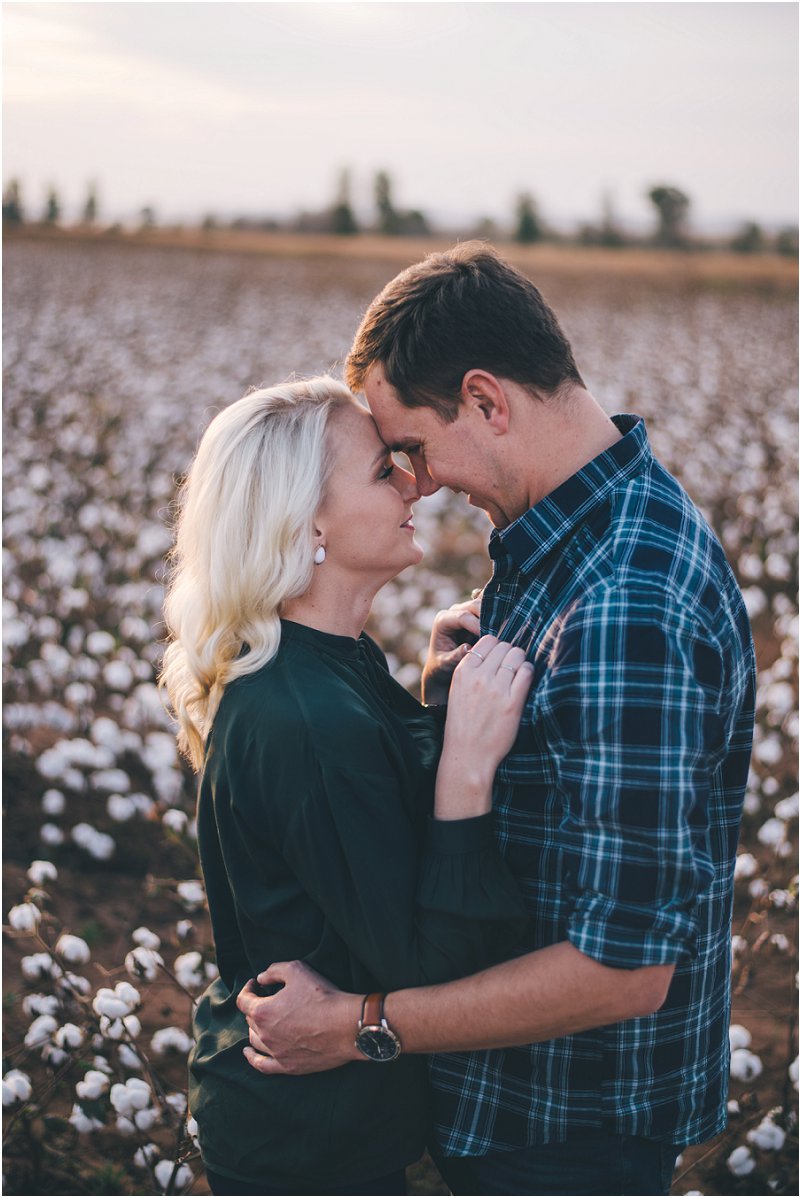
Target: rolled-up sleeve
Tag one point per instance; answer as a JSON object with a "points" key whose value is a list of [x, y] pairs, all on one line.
{"points": [[630, 712]]}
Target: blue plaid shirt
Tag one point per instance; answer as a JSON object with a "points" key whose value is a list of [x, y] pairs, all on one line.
{"points": [[618, 808]]}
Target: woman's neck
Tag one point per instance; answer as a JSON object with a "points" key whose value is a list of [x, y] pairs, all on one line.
{"points": [[338, 613]]}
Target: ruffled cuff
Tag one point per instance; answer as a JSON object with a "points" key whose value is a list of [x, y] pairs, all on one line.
{"points": [[463, 874]]}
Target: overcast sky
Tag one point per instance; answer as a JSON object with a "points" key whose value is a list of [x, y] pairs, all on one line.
{"points": [[255, 108]]}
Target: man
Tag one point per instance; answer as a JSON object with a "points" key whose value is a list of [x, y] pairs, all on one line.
{"points": [[582, 1065]]}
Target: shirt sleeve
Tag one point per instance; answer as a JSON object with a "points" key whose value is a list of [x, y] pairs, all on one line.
{"points": [[411, 914], [629, 709]]}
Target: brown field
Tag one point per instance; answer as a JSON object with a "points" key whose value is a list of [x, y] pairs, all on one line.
{"points": [[706, 267], [117, 350]]}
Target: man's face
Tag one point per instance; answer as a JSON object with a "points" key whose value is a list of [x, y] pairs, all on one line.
{"points": [[441, 454]]}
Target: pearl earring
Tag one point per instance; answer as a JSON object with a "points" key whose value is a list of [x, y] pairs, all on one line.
{"points": [[319, 555]]}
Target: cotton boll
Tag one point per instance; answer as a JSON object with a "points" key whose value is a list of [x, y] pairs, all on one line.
{"points": [[793, 1073], [189, 970], [73, 981], [40, 1031], [745, 1065], [171, 1039], [177, 1102], [94, 1084], [38, 966], [733, 1107], [758, 888], [100, 644], [118, 676], [73, 949], [192, 1130], [24, 917], [175, 819], [116, 1029], [745, 866], [143, 963], [768, 1136], [40, 1004], [16, 1087], [146, 1119], [82, 1122], [70, 1036], [741, 1163], [53, 802], [128, 994], [191, 894], [739, 1036], [772, 833], [130, 1096], [755, 601], [41, 872], [129, 1058], [164, 1172], [51, 834], [787, 809], [146, 938], [183, 928], [113, 780], [120, 808], [145, 1156], [53, 1056], [107, 1002], [780, 942]]}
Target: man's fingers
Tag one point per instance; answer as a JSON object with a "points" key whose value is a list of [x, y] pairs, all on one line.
{"points": [[277, 972], [262, 1063], [247, 998], [257, 1042]]}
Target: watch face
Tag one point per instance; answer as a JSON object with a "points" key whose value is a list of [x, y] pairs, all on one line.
{"points": [[378, 1043]]}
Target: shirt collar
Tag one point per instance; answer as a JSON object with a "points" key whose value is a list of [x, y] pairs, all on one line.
{"points": [[533, 535]]}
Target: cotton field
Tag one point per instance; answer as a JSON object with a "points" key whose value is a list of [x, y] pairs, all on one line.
{"points": [[115, 359]]}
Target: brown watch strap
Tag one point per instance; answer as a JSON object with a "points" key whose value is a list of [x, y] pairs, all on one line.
{"points": [[373, 1010]]}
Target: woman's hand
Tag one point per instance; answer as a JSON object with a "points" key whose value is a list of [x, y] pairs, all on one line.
{"points": [[487, 695], [455, 629]]}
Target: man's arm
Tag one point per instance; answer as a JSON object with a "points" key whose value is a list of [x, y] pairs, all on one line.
{"points": [[310, 1026]]}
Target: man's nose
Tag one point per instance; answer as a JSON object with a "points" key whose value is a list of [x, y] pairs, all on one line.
{"points": [[425, 483]]}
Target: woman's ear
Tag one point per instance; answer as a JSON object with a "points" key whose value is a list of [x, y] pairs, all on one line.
{"points": [[484, 394]]}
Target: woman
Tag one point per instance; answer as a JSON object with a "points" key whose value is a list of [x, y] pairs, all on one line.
{"points": [[319, 779]]}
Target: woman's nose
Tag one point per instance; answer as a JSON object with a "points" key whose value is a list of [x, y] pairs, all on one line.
{"points": [[408, 484], [424, 482]]}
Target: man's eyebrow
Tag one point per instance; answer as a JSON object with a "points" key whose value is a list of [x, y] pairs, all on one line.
{"points": [[403, 446]]}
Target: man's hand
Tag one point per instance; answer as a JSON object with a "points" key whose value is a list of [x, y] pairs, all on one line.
{"points": [[455, 630], [307, 1027]]}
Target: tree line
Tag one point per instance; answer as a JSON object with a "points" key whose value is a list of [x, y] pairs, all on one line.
{"points": [[671, 210]]}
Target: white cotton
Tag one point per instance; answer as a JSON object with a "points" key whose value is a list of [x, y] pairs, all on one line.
{"points": [[24, 917], [758, 888], [124, 1126], [70, 1036], [116, 1029], [176, 1101], [164, 1171], [792, 1073], [745, 866], [99, 644], [189, 970], [146, 1119], [101, 1064], [40, 1031], [768, 1136], [787, 808], [755, 601], [40, 1004], [146, 1155], [191, 894], [118, 676], [130, 1096], [38, 965], [733, 1106], [107, 1002], [94, 1084], [73, 949], [82, 1122], [41, 872], [145, 938], [183, 928], [112, 780], [129, 994], [739, 1036], [769, 751], [171, 1039], [772, 832], [16, 1087], [741, 1163], [738, 945], [129, 1058], [53, 802], [120, 808], [745, 1065], [53, 1056], [780, 942], [143, 963], [51, 834], [192, 1130], [175, 819], [73, 981]]}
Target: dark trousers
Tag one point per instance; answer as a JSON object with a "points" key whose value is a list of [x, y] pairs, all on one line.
{"points": [[599, 1164], [390, 1183]]}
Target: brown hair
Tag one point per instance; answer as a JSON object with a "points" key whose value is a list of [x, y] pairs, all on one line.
{"points": [[456, 311]]}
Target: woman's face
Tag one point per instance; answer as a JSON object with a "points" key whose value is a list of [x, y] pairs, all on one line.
{"points": [[366, 517]]}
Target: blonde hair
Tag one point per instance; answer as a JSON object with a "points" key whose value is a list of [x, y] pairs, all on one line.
{"points": [[244, 543]]}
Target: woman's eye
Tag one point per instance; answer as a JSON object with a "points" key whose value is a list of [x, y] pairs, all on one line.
{"points": [[387, 471]]}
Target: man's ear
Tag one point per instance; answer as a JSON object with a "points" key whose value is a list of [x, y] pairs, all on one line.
{"points": [[484, 394]]}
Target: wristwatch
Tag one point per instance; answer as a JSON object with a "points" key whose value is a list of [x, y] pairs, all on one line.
{"points": [[375, 1038]]}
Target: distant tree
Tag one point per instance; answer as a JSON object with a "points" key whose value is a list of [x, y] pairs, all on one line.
{"points": [[529, 227], [671, 205], [485, 230], [610, 232], [52, 210], [787, 243], [749, 240], [209, 223], [342, 219], [147, 217], [388, 219], [414, 224], [13, 213], [90, 207]]}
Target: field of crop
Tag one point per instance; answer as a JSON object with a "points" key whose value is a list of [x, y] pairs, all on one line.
{"points": [[115, 359]]}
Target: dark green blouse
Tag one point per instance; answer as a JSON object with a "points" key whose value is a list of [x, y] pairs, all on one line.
{"points": [[316, 842]]}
